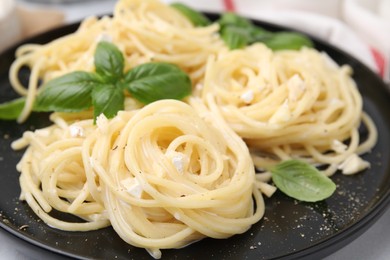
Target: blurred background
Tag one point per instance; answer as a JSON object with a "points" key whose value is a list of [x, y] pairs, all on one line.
{"points": [[360, 27]]}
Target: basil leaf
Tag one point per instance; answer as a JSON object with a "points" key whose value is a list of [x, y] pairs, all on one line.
{"points": [[235, 37], [228, 19], [154, 81], [12, 109], [302, 181], [237, 32], [68, 93], [258, 34], [109, 62], [196, 18], [107, 99], [287, 40]]}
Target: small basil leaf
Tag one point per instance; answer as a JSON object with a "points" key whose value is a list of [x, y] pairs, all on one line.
{"points": [[12, 109], [109, 62], [302, 181], [107, 99], [287, 40], [235, 37], [150, 82], [238, 32], [196, 18], [258, 34], [68, 93], [228, 19]]}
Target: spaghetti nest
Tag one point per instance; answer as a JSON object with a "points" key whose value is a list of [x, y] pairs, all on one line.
{"points": [[144, 31], [162, 176], [288, 104]]}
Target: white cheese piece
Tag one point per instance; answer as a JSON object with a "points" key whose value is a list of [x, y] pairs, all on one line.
{"points": [[247, 96], [296, 87], [353, 164], [338, 146], [179, 160], [133, 187], [76, 131], [102, 123]]}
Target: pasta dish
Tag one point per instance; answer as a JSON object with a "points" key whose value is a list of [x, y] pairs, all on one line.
{"points": [[166, 167]]}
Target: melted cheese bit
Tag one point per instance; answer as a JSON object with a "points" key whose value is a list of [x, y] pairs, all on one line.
{"points": [[353, 164], [338, 146], [76, 131], [247, 96], [102, 123], [133, 187], [179, 160]]}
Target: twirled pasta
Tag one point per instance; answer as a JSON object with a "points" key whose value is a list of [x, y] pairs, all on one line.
{"points": [[289, 104], [162, 176], [143, 30]]}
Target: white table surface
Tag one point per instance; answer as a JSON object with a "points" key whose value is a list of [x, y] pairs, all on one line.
{"points": [[372, 244]]}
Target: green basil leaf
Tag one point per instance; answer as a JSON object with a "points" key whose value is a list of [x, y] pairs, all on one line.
{"points": [[107, 99], [258, 34], [11, 110], [150, 82], [287, 40], [238, 32], [228, 19], [196, 18], [109, 62], [235, 37], [302, 181], [68, 93]]}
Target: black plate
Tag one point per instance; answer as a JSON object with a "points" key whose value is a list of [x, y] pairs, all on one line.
{"points": [[289, 229]]}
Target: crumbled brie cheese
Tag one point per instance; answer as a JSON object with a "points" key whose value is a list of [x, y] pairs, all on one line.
{"points": [[132, 186], [247, 96], [338, 146], [76, 131], [179, 160], [353, 164], [296, 87], [102, 123]]}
